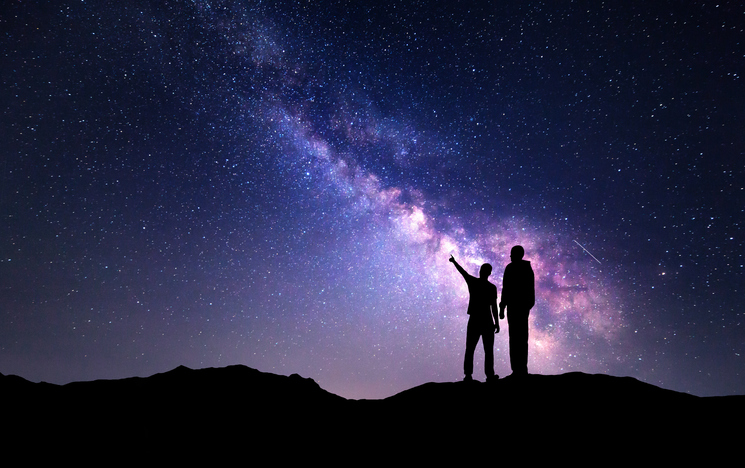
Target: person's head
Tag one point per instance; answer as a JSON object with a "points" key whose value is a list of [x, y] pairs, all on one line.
{"points": [[485, 271], [517, 253]]}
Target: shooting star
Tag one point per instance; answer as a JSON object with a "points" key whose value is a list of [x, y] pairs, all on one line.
{"points": [[588, 252]]}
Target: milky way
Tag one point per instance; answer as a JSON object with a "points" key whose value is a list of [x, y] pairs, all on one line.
{"points": [[281, 186]]}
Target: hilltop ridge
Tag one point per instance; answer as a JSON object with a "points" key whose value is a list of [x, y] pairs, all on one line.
{"points": [[238, 405]]}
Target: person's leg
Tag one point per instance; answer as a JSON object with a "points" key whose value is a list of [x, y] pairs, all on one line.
{"points": [[488, 340], [472, 339], [518, 323]]}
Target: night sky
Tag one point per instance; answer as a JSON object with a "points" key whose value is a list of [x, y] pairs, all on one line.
{"points": [[281, 184]]}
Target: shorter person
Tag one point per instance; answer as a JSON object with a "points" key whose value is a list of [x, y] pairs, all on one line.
{"points": [[482, 306]]}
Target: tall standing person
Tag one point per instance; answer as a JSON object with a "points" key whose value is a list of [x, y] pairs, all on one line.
{"points": [[518, 297]]}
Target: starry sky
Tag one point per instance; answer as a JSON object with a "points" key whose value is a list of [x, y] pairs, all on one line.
{"points": [[280, 184]]}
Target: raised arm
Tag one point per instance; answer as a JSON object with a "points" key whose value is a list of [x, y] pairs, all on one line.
{"points": [[458, 267]]}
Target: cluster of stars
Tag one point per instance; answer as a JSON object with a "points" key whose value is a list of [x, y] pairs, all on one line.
{"points": [[209, 183]]}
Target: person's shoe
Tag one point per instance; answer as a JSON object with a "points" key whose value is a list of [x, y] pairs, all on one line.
{"points": [[468, 378]]}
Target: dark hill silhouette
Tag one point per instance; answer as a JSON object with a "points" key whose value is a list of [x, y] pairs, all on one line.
{"points": [[215, 412]]}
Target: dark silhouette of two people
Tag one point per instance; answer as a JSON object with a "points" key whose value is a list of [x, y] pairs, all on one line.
{"points": [[482, 319], [518, 297]]}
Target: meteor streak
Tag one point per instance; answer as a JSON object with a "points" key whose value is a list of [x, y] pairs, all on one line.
{"points": [[588, 252]]}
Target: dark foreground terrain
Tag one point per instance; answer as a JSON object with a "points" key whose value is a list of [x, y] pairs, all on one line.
{"points": [[240, 415]]}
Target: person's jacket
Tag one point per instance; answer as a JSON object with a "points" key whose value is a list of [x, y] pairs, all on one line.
{"points": [[518, 285]]}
